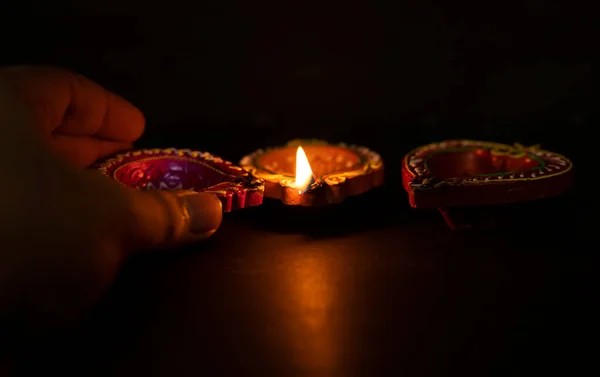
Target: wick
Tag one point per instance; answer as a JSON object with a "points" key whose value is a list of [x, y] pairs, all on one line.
{"points": [[307, 187]]}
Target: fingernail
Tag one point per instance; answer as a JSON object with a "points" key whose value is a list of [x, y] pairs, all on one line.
{"points": [[205, 210]]}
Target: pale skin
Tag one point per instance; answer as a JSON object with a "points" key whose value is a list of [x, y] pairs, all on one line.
{"points": [[65, 231]]}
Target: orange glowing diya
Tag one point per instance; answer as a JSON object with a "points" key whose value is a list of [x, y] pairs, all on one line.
{"points": [[314, 172]]}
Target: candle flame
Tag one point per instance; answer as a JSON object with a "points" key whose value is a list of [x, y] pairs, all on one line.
{"points": [[304, 174]]}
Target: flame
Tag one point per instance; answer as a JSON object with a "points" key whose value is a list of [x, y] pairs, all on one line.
{"points": [[304, 174]]}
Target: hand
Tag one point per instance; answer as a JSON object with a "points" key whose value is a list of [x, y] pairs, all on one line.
{"points": [[66, 231], [77, 119]]}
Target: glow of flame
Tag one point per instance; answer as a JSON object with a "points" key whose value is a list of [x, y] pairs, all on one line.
{"points": [[304, 174]]}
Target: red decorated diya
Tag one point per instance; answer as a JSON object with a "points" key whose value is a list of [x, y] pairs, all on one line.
{"points": [[456, 175], [182, 169], [314, 172]]}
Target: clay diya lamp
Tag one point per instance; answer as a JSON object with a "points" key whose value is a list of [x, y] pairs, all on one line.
{"points": [[182, 169], [314, 172], [459, 177]]}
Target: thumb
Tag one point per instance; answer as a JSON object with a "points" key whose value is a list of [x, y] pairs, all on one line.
{"points": [[145, 220], [164, 218]]}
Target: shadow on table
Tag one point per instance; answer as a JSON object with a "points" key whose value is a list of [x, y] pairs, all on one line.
{"points": [[533, 222], [377, 209]]}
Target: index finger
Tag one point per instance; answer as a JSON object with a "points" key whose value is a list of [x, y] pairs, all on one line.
{"points": [[70, 104]]}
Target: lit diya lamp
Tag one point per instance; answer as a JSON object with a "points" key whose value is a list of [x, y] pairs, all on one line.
{"points": [[458, 176], [314, 172], [182, 169]]}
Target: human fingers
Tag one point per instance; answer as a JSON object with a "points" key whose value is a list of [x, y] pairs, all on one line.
{"points": [[66, 103], [83, 151], [147, 220]]}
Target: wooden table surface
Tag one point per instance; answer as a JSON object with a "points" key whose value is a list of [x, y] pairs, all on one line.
{"points": [[363, 289]]}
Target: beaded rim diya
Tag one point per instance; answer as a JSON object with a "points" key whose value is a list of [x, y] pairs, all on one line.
{"points": [[335, 171], [465, 173], [184, 169]]}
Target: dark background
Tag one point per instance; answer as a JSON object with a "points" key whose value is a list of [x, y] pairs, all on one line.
{"points": [[265, 72], [380, 288]]}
